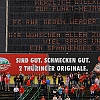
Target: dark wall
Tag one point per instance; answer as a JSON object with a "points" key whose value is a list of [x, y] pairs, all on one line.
{"points": [[2, 25]]}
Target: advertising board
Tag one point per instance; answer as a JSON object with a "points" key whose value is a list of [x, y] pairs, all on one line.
{"points": [[49, 63]]}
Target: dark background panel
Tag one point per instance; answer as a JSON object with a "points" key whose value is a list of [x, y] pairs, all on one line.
{"points": [[93, 58]]}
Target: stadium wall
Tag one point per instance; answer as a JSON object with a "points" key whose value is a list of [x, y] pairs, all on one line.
{"points": [[2, 25]]}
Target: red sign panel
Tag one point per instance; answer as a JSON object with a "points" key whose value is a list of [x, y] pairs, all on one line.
{"points": [[25, 63]]}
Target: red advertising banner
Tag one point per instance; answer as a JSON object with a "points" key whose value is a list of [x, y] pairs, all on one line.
{"points": [[25, 63], [49, 63]]}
